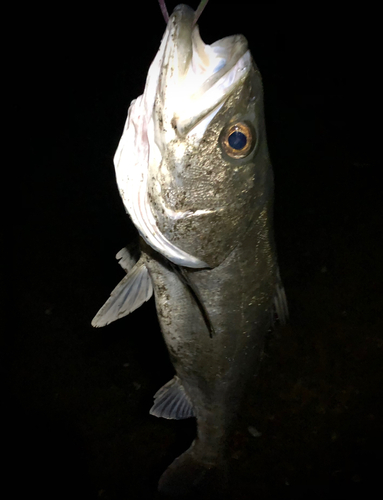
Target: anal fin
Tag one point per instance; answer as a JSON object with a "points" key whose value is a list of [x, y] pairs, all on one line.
{"points": [[171, 401]]}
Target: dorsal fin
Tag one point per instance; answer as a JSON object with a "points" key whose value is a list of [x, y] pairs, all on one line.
{"points": [[280, 304], [132, 291], [171, 401]]}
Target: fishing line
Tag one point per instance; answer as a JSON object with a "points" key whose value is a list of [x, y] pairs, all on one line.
{"points": [[164, 10], [198, 12]]}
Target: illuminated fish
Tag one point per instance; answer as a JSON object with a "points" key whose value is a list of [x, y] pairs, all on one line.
{"points": [[194, 174]]}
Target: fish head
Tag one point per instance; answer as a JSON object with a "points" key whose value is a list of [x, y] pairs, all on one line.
{"points": [[192, 165]]}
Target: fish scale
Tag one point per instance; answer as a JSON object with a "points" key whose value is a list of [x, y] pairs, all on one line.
{"points": [[202, 204]]}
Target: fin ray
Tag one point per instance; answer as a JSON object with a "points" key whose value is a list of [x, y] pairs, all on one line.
{"points": [[128, 256], [280, 304], [132, 291], [172, 402]]}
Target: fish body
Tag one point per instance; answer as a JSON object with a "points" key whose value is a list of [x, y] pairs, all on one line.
{"points": [[194, 174]]}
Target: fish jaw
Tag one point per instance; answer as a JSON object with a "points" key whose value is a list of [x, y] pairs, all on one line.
{"points": [[194, 78], [186, 86]]}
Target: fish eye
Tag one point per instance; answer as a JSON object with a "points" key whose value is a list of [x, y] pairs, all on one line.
{"points": [[238, 140]]}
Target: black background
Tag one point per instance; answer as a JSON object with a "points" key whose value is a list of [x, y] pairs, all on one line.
{"points": [[76, 399]]}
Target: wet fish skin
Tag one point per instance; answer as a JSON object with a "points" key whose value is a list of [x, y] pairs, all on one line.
{"points": [[214, 370], [206, 238], [231, 189], [237, 291]]}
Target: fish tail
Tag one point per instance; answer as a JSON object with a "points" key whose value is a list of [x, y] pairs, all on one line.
{"points": [[190, 477]]}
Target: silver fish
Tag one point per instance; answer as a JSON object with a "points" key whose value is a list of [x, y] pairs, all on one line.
{"points": [[194, 174]]}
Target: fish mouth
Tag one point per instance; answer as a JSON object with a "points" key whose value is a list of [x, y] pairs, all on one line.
{"points": [[195, 78], [185, 38]]}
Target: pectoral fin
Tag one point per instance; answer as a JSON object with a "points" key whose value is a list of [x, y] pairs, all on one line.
{"points": [[171, 401], [135, 289]]}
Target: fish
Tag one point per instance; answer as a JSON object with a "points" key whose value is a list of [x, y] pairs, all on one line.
{"points": [[195, 177]]}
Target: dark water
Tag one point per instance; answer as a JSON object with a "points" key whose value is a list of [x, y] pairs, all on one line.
{"points": [[75, 400]]}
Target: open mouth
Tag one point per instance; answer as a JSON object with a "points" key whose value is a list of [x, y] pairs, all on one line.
{"points": [[195, 78]]}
